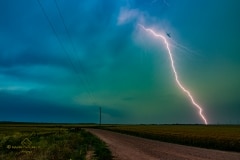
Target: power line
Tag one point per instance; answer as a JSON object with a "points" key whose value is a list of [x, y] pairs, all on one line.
{"points": [[68, 33], [73, 46], [61, 43], [55, 33], [64, 24]]}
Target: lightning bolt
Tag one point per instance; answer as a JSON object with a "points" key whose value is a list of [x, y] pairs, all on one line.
{"points": [[187, 92]]}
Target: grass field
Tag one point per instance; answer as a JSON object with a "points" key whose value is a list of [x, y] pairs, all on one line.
{"points": [[49, 142], [221, 137]]}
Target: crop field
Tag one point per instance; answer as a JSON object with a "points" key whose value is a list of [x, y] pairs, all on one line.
{"points": [[221, 137], [52, 142]]}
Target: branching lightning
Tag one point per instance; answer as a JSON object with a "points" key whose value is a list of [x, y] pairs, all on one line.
{"points": [[187, 92]]}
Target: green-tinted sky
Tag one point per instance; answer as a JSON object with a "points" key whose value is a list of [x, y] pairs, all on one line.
{"points": [[62, 60]]}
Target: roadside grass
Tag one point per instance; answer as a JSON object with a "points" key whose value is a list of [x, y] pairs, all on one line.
{"points": [[49, 143], [221, 137]]}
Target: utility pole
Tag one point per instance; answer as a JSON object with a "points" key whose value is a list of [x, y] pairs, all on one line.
{"points": [[100, 116]]}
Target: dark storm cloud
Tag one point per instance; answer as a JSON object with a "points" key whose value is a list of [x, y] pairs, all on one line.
{"points": [[25, 108], [27, 29], [35, 44], [25, 36], [23, 74], [91, 25], [31, 57]]}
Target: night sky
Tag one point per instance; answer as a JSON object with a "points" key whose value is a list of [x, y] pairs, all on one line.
{"points": [[62, 60]]}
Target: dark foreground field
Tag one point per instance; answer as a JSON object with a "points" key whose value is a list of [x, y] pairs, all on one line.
{"points": [[221, 137], [49, 142]]}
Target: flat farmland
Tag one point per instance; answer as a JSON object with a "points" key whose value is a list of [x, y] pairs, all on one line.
{"points": [[221, 137], [50, 141]]}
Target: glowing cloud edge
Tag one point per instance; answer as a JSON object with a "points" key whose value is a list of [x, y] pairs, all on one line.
{"points": [[175, 72]]}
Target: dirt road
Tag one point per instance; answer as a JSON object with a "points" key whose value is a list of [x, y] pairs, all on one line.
{"points": [[125, 147]]}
